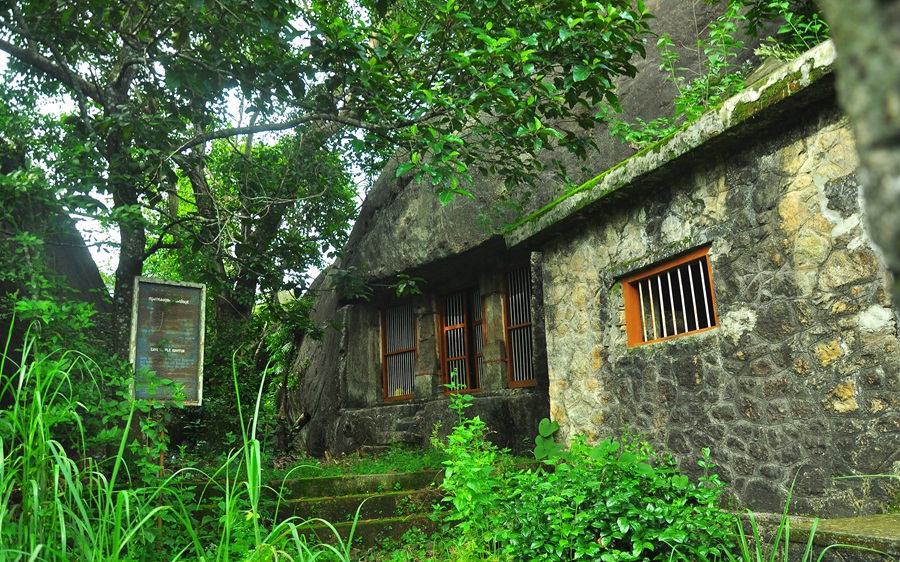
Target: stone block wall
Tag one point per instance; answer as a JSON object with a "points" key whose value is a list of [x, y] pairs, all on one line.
{"points": [[801, 378]]}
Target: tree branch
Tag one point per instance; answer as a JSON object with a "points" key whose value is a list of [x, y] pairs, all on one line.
{"points": [[51, 69], [292, 124]]}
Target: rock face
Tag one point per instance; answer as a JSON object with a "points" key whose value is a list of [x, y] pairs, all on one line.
{"points": [[403, 227], [801, 375], [63, 253]]}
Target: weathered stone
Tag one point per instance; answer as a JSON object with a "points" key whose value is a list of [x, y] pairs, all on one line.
{"points": [[785, 332], [811, 480], [802, 366], [762, 367], [811, 249], [775, 387], [777, 411], [843, 195], [751, 408], [678, 443], [801, 369], [844, 267], [876, 318], [759, 451], [828, 352], [766, 495], [722, 413], [773, 472], [842, 398]]}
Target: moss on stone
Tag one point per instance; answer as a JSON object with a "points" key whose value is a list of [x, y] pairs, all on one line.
{"points": [[779, 90], [656, 148], [774, 93]]}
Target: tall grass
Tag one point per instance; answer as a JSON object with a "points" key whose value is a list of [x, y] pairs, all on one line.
{"points": [[58, 503]]}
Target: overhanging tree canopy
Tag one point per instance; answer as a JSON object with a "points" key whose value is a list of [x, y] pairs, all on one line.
{"points": [[452, 88]]}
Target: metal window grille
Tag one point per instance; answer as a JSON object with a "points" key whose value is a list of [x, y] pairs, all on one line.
{"points": [[455, 339], [463, 343], [518, 326], [399, 351], [675, 301]]}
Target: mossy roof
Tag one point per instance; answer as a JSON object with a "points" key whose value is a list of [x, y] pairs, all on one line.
{"points": [[787, 90]]}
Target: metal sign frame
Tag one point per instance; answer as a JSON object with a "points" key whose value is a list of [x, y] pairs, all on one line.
{"points": [[168, 329]]}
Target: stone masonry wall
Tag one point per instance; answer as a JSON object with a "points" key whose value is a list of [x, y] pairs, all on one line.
{"points": [[802, 375]]}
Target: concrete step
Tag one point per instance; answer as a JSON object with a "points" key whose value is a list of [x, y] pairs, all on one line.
{"points": [[368, 533], [331, 486], [374, 507], [852, 534], [369, 506]]}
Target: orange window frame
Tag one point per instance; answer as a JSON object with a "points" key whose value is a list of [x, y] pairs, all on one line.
{"points": [[634, 322], [468, 327]]}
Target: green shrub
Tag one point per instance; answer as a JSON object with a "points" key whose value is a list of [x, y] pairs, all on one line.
{"points": [[616, 501], [473, 474]]}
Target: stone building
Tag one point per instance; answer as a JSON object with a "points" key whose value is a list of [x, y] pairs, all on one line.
{"points": [[720, 291], [716, 290]]}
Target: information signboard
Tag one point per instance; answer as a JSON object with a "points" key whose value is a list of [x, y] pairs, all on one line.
{"points": [[167, 331]]}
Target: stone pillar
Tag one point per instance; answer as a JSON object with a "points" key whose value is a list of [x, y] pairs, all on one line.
{"points": [[428, 362], [495, 370]]}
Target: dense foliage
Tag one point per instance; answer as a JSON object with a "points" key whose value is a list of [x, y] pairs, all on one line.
{"points": [[228, 143], [62, 499], [59, 500], [144, 89], [617, 500]]}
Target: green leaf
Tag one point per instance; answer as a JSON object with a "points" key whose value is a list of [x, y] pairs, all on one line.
{"points": [[581, 73], [445, 196], [403, 168], [547, 428]]}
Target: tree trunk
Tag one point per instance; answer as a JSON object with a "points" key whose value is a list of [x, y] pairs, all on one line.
{"points": [[131, 263], [866, 35]]}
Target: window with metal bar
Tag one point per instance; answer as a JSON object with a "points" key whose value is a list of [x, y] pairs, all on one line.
{"points": [[398, 343], [670, 300], [462, 339], [518, 328]]}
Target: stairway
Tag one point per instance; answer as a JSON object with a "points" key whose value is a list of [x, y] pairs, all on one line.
{"points": [[388, 505]]}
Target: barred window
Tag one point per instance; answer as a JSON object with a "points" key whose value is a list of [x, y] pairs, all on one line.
{"points": [[462, 339], [670, 300], [398, 344], [518, 328]]}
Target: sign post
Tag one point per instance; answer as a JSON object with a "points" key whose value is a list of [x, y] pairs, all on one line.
{"points": [[168, 320], [167, 336]]}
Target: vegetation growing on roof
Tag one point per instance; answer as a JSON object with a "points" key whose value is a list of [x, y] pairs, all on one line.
{"points": [[588, 185], [783, 88], [719, 76], [743, 108]]}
